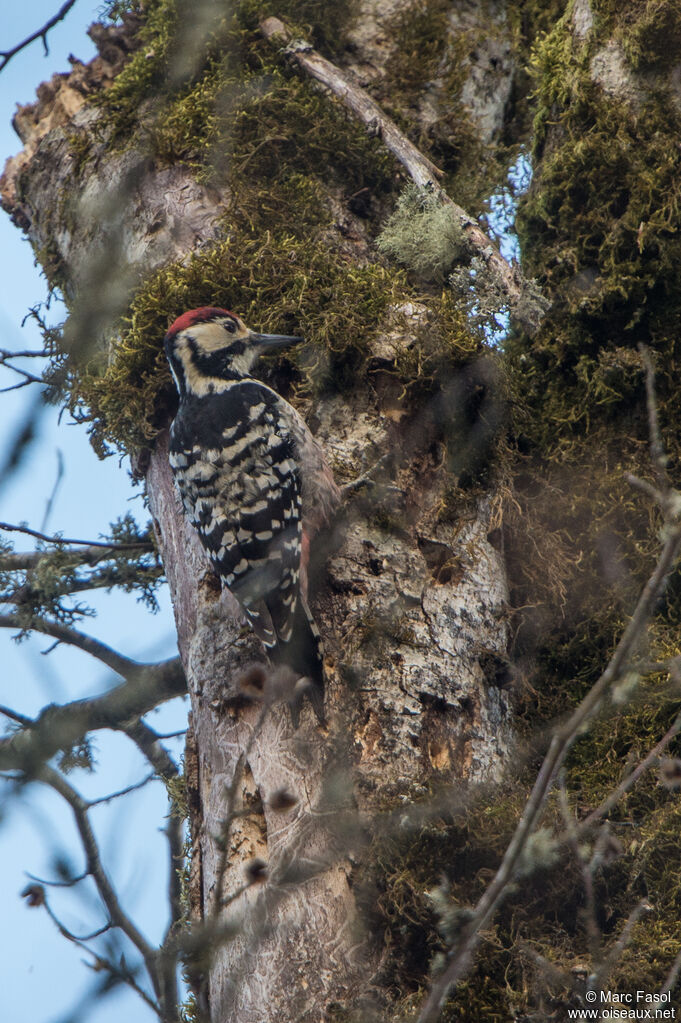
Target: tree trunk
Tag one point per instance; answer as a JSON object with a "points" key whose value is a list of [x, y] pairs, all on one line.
{"points": [[409, 590]]}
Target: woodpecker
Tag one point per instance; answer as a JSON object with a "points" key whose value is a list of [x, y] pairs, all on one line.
{"points": [[253, 481]]}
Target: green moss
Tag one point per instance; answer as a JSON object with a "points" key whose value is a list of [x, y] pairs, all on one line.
{"points": [[649, 31], [324, 24], [422, 44], [418, 884], [430, 56], [530, 20], [284, 283], [293, 127], [418, 887], [601, 227], [80, 148], [145, 74], [194, 59]]}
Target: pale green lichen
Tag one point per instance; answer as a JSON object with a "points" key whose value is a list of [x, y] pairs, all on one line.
{"points": [[423, 234]]}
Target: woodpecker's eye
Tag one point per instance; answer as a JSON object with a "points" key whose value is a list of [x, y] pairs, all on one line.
{"points": [[229, 325]]}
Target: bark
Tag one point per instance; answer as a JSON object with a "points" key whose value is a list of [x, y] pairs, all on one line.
{"points": [[413, 617]]}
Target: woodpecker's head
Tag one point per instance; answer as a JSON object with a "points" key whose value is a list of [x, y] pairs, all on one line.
{"points": [[208, 345]]}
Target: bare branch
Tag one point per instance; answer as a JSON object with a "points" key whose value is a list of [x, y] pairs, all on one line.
{"points": [[14, 715], [147, 741], [95, 868], [672, 976], [101, 962], [593, 932], [61, 727], [17, 387], [419, 167], [8, 527], [6, 358], [71, 883], [645, 487], [164, 766], [65, 634], [6, 355], [75, 938], [57, 483], [41, 33], [422, 171], [17, 561]]}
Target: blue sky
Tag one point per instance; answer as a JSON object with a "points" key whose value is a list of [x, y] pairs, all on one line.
{"points": [[43, 976]]}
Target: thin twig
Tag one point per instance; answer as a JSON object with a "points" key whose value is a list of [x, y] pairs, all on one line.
{"points": [[9, 527], [102, 962], [672, 976], [135, 787], [606, 967], [41, 33], [628, 783], [23, 594], [147, 741], [647, 488], [124, 666], [50, 501], [17, 387], [6, 355], [75, 938], [107, 893], [657, 452], [14, 715], [593, 932], [71, 883]]}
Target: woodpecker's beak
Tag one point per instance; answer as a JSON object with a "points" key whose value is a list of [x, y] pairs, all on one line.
{"points": [[267, 341]]}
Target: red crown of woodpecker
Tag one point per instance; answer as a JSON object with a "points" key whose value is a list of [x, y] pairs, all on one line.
{"points": [[193, 316]]}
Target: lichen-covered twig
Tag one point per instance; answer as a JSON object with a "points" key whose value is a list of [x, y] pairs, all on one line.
{"points": [[522, 297]]}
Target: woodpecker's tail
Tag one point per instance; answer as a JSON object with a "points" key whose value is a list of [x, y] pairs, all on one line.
{"points": [[304, 653]]}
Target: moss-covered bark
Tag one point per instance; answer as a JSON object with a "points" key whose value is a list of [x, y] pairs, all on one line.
{"points": [[210, 173], [599, 227], [287, 198]]}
